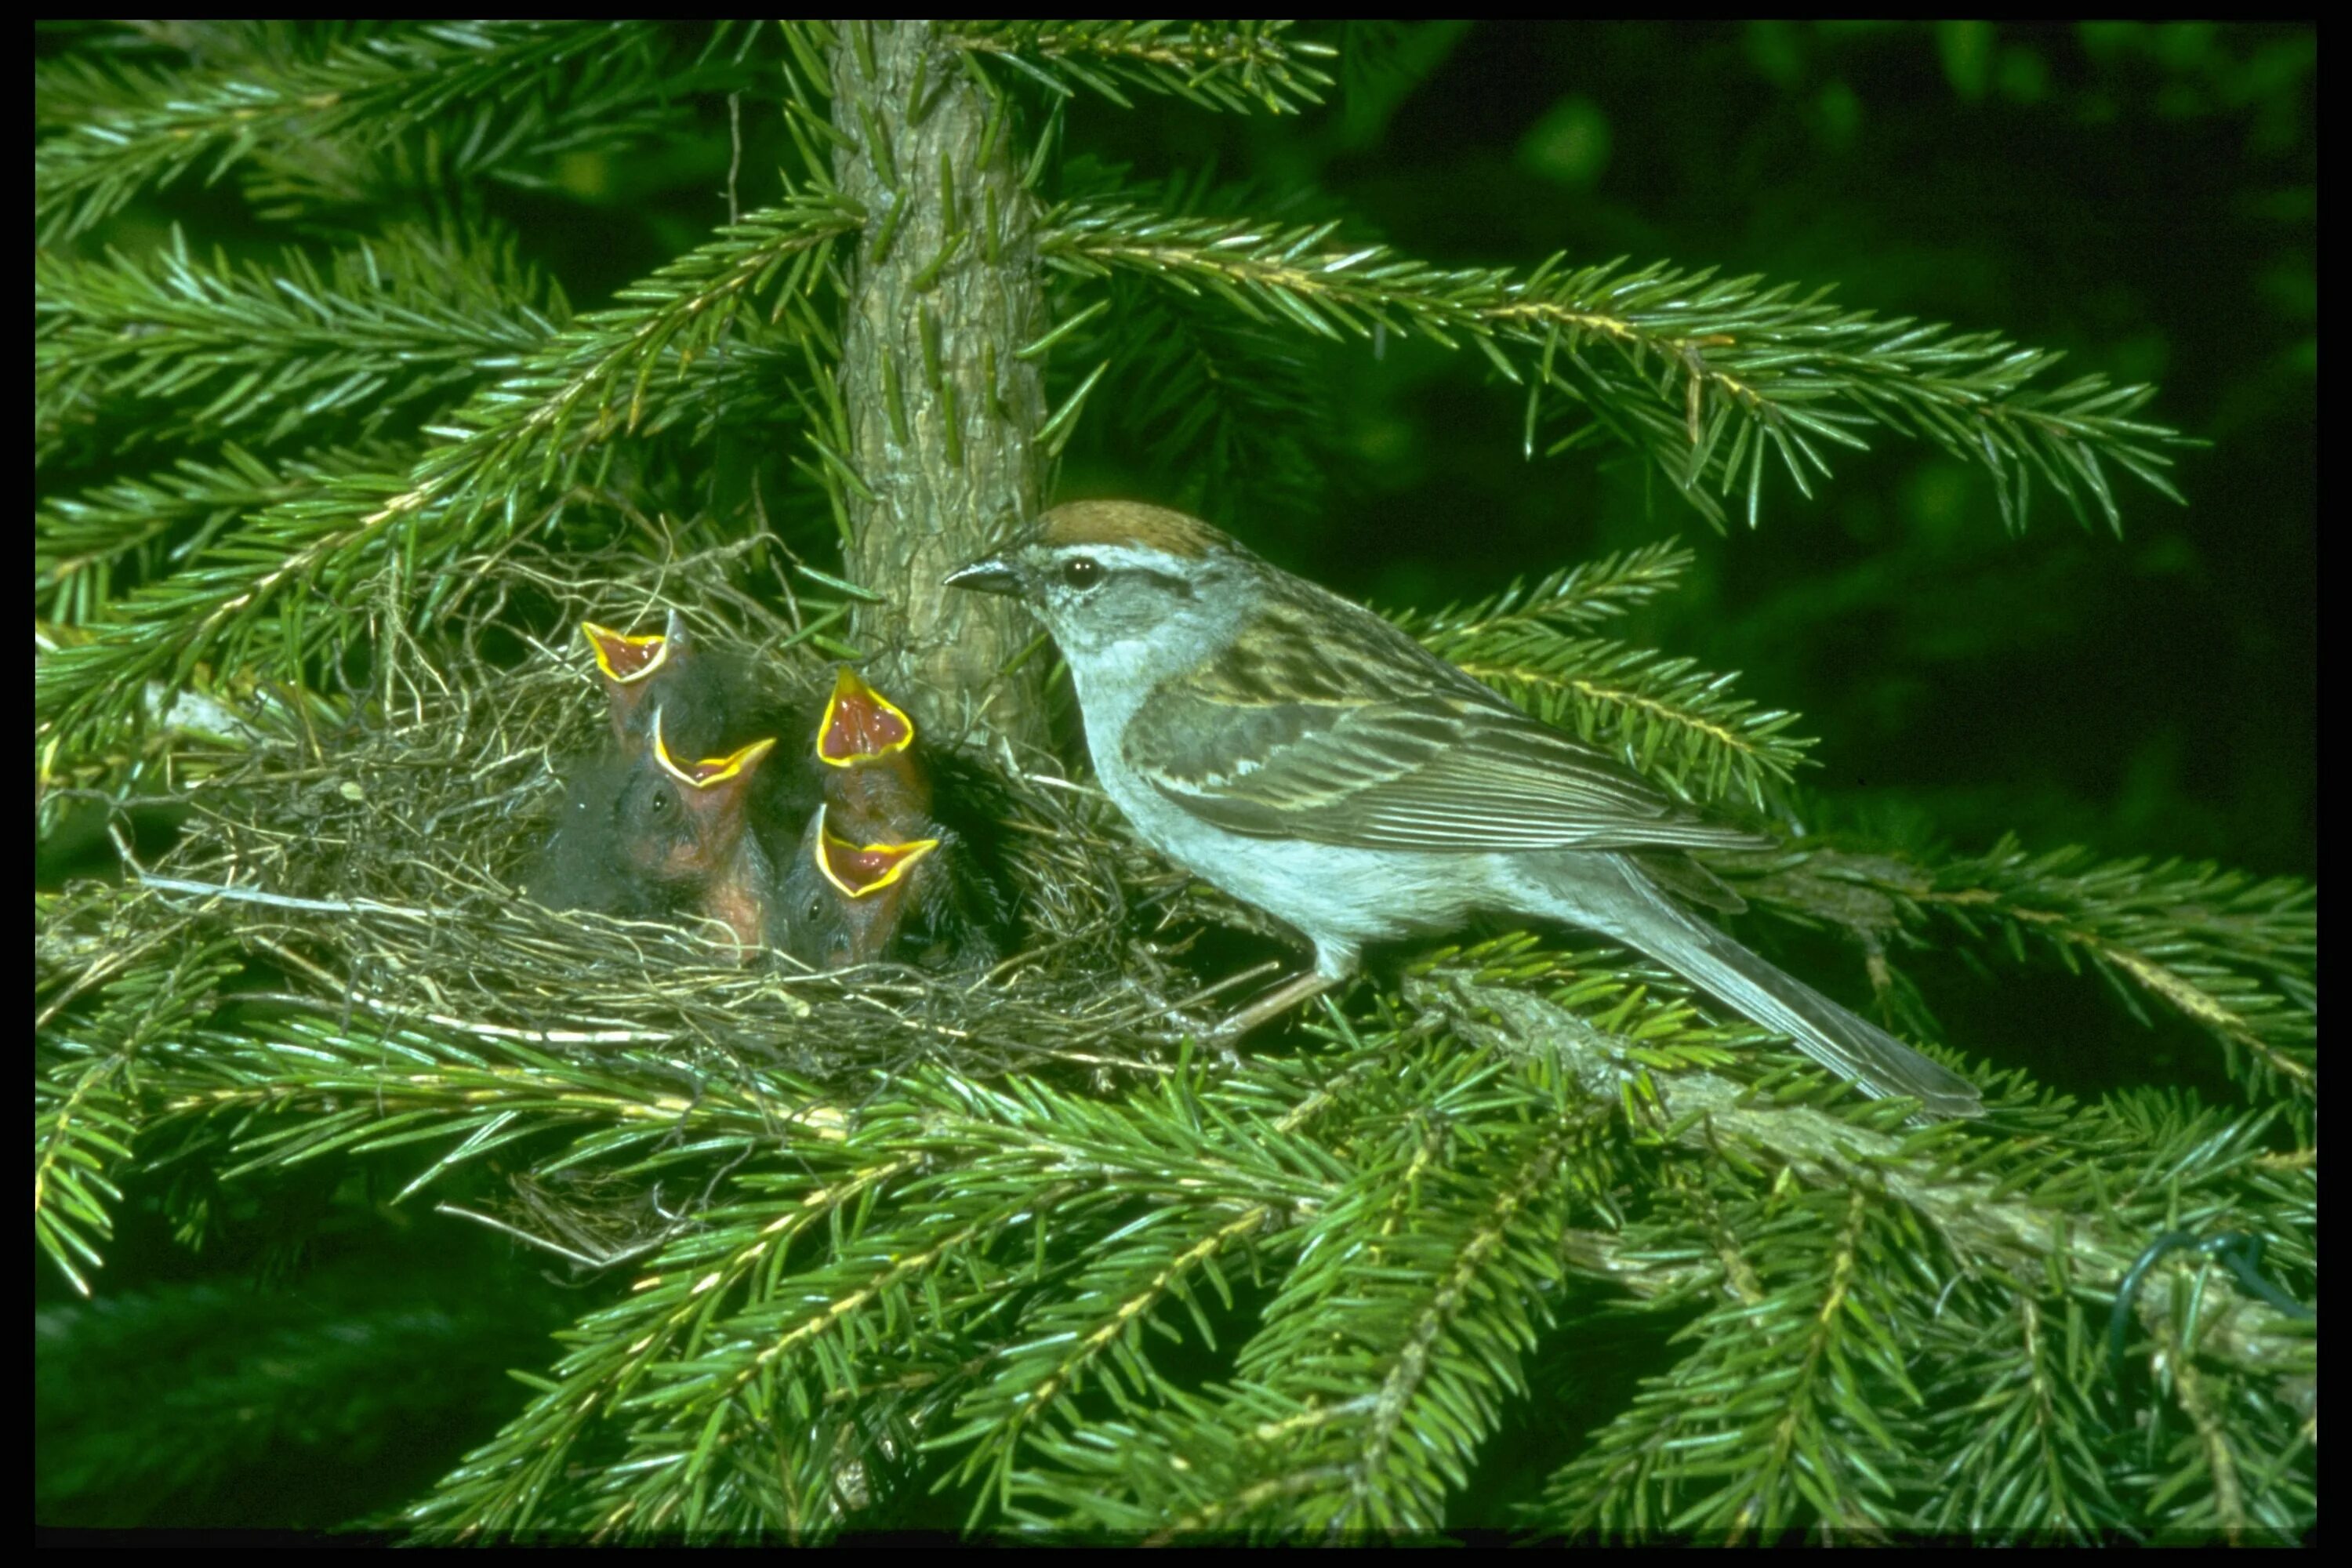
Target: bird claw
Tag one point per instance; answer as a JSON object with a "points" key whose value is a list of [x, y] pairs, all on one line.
{"points": [[1274, 1003]]}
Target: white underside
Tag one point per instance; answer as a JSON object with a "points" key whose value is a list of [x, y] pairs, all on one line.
{"points": [[1338, 899]]}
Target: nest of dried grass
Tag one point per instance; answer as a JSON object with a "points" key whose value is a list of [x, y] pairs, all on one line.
{"points": [[369, 870]]}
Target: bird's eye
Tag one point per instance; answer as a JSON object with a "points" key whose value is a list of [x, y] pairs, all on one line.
{"points": [[1081, 572]]}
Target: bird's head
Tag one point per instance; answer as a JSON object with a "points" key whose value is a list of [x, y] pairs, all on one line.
{"points": [[1124, 587]]}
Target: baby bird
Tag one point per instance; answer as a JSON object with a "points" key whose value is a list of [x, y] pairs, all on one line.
{"points": [[874, 779], [716, 851], [879, 875], [672, 820], [834, 856], [654, 835], [844, 902], [713, 703]]}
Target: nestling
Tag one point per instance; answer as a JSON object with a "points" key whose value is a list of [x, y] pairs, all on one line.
{"points": [[742, 835], [877, 875], [874, 778], [713, 701], [1312, 759], [844, 901], [652, 835], [626, 842]]}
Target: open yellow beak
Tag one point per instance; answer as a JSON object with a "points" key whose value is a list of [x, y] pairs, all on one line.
{"points": [[709, 771], [623, 660], [860, 724], [859, 871]]}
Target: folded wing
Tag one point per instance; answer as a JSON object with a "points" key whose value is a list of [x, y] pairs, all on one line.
{"points": [[1446, 765]]}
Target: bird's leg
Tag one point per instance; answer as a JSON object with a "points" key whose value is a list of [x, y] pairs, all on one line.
{"points": [[1279, 1000]]}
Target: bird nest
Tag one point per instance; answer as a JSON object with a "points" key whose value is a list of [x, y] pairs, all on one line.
{"points": [[367, 870]]}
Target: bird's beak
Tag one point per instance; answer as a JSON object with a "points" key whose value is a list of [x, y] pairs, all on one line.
{"points": [[989, 575], [710, 773], [622, 660], [860, 724], [862, 871], [628, 666]]}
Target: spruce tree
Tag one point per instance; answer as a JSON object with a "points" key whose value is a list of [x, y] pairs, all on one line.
{"points": [[1516, 1235]]}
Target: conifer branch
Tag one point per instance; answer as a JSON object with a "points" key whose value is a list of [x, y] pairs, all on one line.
{"points": [[1792, 1379], [1675, 722], [1812, 1357], [2228, 953], [1570, 599], [83, 1130], [715, 1302], [164, 124], [87, 548], [2022, 1436], [1705, 376], [1091, 1331], [392, 323], [1233, 66], [864, 1264], [513, 443], [1222, 409], [89, 1103], [1444, 1306]]}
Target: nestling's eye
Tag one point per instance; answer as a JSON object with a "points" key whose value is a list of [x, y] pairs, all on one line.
{"points": [[1081, 572]]}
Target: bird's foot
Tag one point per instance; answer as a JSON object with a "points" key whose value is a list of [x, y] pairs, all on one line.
{"points": [[1275, 1003]]}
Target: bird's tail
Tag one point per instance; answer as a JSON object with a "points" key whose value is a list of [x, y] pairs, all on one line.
{"points": [[1606, 893]]}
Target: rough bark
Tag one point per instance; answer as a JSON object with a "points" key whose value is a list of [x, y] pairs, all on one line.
{"points": [[942, 417]]}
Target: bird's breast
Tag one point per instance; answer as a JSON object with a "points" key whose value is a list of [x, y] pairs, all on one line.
{"points": [[1338, 897]]}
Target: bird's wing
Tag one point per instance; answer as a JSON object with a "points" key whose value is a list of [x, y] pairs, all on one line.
{"points": [[1354, 741]]}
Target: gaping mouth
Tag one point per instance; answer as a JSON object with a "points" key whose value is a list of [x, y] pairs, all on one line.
{"points": [[626, 659], [709, 771], [860, 871], [860, 724]]}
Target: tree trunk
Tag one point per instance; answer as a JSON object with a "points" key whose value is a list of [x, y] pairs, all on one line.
{"points": [[942, 419]]}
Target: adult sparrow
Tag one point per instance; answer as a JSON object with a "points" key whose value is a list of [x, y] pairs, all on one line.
{"points": [[1312, 759]]}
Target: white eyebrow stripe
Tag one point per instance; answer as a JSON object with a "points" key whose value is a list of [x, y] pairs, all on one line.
{"points": [[1141, 557]]}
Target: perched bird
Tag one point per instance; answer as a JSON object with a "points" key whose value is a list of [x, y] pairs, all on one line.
{"points": [[1312, 759]]}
